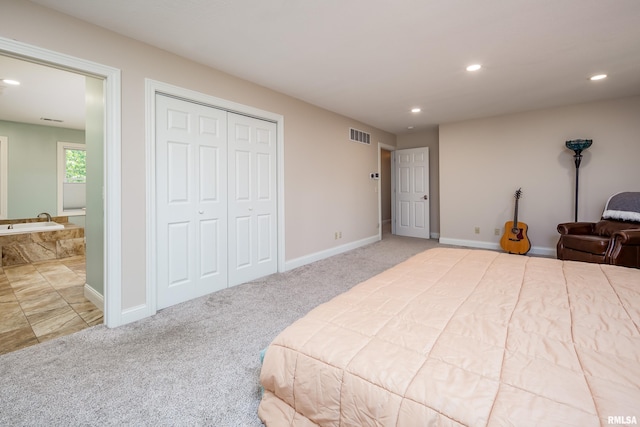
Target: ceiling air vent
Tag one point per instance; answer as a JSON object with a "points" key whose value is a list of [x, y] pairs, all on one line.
{"points": [[359, 136], [47, 119]]}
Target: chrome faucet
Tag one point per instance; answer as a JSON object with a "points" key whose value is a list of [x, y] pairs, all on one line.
{"points": [[46, 214]]}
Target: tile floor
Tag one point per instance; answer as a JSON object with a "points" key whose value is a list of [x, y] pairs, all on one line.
{"points": [[43, 300]]}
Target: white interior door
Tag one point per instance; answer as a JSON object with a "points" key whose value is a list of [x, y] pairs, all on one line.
{"points": [[191, 199], [252, 198], [412, 192]]}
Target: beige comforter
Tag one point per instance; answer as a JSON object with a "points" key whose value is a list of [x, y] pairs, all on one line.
{"points": [[464, 337]]}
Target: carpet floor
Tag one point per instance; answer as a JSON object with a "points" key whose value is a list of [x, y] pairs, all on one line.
{"points": [[193, 364]]}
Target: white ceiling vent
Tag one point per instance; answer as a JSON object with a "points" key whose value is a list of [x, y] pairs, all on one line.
{"points": [[359, 136]]}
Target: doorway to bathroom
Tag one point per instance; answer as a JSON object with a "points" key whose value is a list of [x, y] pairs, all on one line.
{"points": [[51, 283]]}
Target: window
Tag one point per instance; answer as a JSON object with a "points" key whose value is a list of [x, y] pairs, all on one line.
{"points": [[72, 178]]}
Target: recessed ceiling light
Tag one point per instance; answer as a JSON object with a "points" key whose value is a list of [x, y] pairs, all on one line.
{"points": [[415, 110], [11, 82], [474, 67], [598, 77], [410, 127]]}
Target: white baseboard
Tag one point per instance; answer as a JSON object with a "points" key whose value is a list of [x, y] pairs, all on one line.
{"points": [[129, 315], [93, 296], [308, 259], [535, 250], [539, 250], [133, 314]]}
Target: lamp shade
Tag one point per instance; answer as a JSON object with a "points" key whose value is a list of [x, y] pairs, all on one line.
{"points": [[578, 145]]}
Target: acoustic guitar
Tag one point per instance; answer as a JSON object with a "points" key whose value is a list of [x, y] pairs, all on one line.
{"points": [[515, 240]]}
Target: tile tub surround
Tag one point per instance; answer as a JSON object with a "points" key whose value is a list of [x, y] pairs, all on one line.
{"points": [[59, 219], [29, 227], [19, 249]]}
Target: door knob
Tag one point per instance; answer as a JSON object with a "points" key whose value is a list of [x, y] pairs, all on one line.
{"points": [[200, 212], [425, 197]]}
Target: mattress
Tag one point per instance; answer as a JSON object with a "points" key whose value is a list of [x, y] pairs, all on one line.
{"points": [[457, 337]]}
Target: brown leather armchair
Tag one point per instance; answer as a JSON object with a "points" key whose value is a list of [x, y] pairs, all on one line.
{"points": [[615, 239], [605, 242]]}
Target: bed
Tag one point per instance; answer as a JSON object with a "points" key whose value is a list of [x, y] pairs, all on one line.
{"points": [[455, 337]]}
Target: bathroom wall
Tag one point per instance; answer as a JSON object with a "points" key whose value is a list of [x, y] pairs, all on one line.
{"points": [[94, 231], [32, 166]]}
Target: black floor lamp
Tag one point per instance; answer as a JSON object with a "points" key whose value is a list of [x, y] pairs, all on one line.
{"points": [[578, 145]]}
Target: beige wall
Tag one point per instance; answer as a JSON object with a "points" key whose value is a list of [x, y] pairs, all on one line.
{"points": [[327, 185], [428, 138], [483, 162]]}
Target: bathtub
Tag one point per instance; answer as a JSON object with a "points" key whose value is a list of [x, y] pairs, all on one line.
{"points": [[29, 227]]}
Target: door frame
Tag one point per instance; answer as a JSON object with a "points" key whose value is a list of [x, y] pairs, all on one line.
{"points": [[153, 87], [382, 146], [112, 279], [4, 174]]}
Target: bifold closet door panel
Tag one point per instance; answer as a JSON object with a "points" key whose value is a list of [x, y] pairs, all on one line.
{"points": [[191, 200], [252, 198]]}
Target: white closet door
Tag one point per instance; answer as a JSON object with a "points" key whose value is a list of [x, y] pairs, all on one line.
{"points": [[252, 198], [191, 199]]}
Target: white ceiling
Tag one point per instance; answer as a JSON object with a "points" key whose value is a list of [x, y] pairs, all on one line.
{"points": [[45, 95], [373, 60]]}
